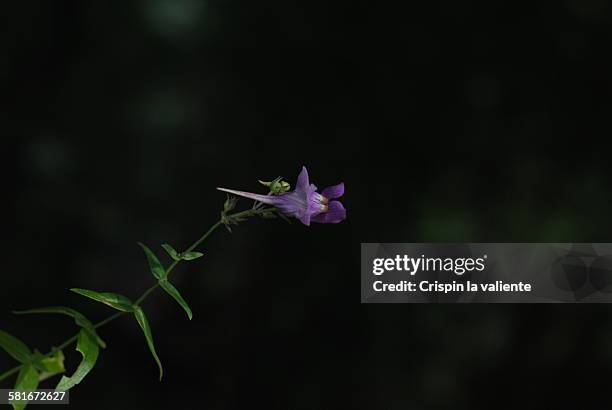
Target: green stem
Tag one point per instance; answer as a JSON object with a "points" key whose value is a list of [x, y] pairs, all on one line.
{"points": [[108, 319], [145, 295], [9, 373], [68, 342]]}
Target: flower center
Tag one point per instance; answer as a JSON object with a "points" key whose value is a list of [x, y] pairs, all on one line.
{"points": [[319, 203]]}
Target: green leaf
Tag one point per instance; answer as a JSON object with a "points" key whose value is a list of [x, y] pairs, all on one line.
{"points": [[144, 325], [15, 347], [157, 269], [171, 251], [189, 256], [54, 363], [113, 300], [49, 366], [78, 317], [89, 349], [172, 291], [27, 381]]}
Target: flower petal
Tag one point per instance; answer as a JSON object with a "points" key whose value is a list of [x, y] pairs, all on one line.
{"points": [[334, 191], [291, 204], [336, 213], [305, 219], [303, 183]]}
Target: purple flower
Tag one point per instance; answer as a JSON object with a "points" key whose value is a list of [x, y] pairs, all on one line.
{"points": [[304, 203]]}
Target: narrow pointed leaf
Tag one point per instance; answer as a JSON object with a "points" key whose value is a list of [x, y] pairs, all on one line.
{"points": [[78, 317], [27, 381], [113, 300], [15, 347], [157, 269], [89, 349], [189, 256], [144, 325], [172, 291], [171, 251]]}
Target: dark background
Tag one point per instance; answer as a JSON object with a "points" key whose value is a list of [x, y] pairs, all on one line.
{"points": [[447, 121]]}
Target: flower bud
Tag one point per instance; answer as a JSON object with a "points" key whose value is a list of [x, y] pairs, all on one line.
{"points": [[230, 203], [277, 186]]}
